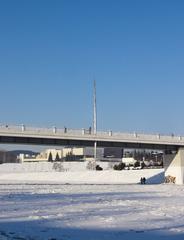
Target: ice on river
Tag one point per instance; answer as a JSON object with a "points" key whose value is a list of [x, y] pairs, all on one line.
{"points": [[91, 212]]}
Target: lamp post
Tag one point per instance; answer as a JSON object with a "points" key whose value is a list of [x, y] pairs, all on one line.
{"points": [[94, 119]]}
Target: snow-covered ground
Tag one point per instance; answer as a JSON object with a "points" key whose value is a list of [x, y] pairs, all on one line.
{"points": [[74, 173], [48, 166], [91, 212], [85, 177], [38, 204]]}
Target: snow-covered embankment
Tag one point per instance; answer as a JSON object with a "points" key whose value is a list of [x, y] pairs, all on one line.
{"points": [[26, 173]]}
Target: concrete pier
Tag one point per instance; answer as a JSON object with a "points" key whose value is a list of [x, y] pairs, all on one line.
{"points": [[174, 165]]}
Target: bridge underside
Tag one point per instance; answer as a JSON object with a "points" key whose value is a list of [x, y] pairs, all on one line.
{"points": [[78, 143], [173, 162]]}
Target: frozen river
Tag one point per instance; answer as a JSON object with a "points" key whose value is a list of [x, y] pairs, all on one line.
{"points": [[91, 212]]}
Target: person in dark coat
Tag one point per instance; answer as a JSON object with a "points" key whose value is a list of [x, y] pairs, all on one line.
{"points": [[144, 180], [141, 180]]}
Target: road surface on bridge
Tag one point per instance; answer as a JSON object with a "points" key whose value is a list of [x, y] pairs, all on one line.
{"points": [[21, 134]]}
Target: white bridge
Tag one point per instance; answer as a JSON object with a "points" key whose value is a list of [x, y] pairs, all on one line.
{"points": [[173, 161], [30, 135]]}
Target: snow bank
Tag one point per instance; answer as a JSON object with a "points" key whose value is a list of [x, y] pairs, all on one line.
{"points": [[48, 166], [25, 173]]}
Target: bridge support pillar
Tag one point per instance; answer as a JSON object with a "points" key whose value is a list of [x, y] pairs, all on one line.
{"points": [[174, 165]]}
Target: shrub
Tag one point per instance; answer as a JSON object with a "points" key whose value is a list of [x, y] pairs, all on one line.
{"points": [[98, 168], [137, 164], [142, 165], [119, 166], [58, 167], [91, 165]]}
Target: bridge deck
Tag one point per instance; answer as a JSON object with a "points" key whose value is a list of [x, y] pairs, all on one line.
{"points": [[29, 135]]}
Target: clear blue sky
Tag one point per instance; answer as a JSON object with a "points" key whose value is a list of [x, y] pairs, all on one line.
{"points": [[50, 52]]}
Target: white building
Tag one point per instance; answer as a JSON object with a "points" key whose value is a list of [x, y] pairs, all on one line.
{"points": [[75, 153], [31, 158], [83, 152], [129, 161]]}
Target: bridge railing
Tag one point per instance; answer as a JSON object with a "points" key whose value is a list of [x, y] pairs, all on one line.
{"points": [[150, 137], [23, 129]]}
